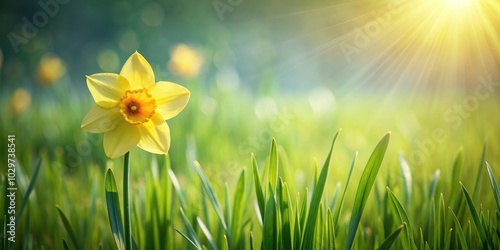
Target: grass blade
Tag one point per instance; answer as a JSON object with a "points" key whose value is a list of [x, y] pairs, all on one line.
{"points": [[365, 186], [434, 183], [330, 231], [339, 210], [237, 215], [114, 212], [284, 205], [440, 223], [455, 180], [31, 186], [477, 187], [460, 232], [308, 235], [386, 245], [407, 178], [65, 245], [192, 237], [211, 196], [252, 245], [177, 187], [401, 217], [258, 187], [475, 217], [207, 233], [227, 205], [68, 227], [273, 165], [187, 238], [270, 222], [494, 185]]}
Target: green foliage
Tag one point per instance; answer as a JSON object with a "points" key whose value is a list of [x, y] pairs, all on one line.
{"points": [[279, 199], [114, 211], [365, 185]]}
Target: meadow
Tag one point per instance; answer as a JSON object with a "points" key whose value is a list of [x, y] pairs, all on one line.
{"points": [[237, 177]]}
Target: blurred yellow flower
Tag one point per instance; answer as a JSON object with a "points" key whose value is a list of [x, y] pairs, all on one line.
{"points": [[131, 109], [50, 69], [185, 61], [20, 100]]}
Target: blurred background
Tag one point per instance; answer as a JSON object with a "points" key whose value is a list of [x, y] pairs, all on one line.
{"points": [[257, 70], [294, 45], [313, 66], [427, 70]]}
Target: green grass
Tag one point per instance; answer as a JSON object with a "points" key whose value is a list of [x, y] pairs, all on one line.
{"points": [[233, 180]]}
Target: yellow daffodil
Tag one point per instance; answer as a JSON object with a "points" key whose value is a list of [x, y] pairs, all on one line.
{"points": [[131, 109]]}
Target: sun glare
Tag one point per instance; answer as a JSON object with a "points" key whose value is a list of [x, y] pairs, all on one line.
{"points": [[460, 5], [446, 43], [459, 2]]}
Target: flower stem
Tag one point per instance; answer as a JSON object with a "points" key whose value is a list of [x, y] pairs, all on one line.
{"points": [[126, 202]]}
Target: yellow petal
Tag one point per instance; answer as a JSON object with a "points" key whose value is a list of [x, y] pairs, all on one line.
{"points": [[170, 98], [100, 120], [138, 72], [107, 88], [120, 140], [155, 135]]}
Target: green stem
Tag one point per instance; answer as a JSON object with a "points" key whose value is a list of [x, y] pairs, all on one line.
{"points": [[126, 202]]}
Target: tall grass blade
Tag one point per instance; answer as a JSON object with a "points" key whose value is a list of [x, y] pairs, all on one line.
{"points": [[335, 196], [298, 226], [447, 241], [441, 227], [238, 205], [494, 185], [475, 217], [192, 237], [460, 232], [434, 183], [225, 243], [207, 233], [431, 221], [188, 239], [365, 186], [330, 236], [31, 186], [308, 234], [386, 245], [252, 245], [339, 210], [270, 239], [258, 187], [422, 240], [477, 187], [455, 180], [211, 196], [284, 208], [68, 227], [407, 178], [227, 205], [114, 212], [401, 217], [177, 187], [273, 165], [65, 245]]}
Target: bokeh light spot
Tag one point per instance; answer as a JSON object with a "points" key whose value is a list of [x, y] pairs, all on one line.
{"points": [[152, 14], [108, 60]]}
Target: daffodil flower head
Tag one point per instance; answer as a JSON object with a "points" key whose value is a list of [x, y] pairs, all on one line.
{"points": [[131, 108]]}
